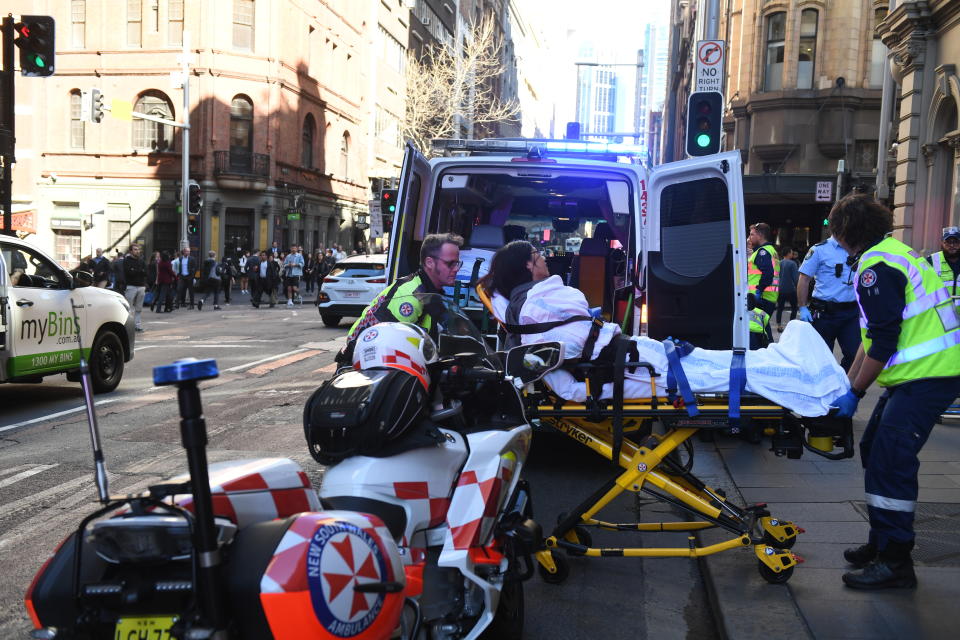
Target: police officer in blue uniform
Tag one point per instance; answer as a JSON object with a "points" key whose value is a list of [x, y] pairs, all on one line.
{"points": [[833, 309]]}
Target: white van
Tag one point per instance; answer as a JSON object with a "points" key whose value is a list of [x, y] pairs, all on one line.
{"points": [[38, 335], [662, 250]]}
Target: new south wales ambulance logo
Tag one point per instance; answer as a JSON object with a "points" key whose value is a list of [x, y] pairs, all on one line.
{"points": [[868, 278], [342, 556], [406, 309], [370, 335]]}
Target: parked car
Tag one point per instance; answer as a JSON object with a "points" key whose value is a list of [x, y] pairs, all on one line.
{"points": [[38, 335], [350, 286]]}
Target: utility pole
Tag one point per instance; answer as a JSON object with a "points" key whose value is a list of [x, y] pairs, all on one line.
{"points": [[713, 19], [185, 151], [7, 130]]}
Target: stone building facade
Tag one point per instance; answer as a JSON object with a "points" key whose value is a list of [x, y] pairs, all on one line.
{"points": [[802, 92], [284, 97], [924, 38]]}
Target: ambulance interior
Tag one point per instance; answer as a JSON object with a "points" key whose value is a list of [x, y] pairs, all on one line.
{"points": [[581, 222]]}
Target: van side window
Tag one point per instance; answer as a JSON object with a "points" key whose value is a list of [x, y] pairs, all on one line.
{"points": [[694, 226]]}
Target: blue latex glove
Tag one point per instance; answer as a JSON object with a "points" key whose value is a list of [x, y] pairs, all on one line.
{"points": [[804, 314], [846, 405]]}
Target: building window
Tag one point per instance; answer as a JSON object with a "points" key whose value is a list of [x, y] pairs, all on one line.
{"points": [[76, 124], [386, 127], [148, 135], [118, 235], [66, 243], [241, 125], [393, 53], [134, 22], [309, 132], [78, 23], [345, 155], [773, 68], [865, 156], [243, 24], [878, 54], [175, 22], [808, 48]]}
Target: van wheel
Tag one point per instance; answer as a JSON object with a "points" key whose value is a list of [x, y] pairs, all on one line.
{"points": [[329, 320], [106, 362]]}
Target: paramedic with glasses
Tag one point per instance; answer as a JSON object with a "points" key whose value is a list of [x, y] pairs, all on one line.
{"points": [[439, 263], [910, 346], [946, 262]]}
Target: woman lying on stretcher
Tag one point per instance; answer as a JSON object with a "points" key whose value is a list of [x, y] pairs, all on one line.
{"points": [[799, 372]]}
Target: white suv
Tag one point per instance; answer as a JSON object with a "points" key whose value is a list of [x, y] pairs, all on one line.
{"points": [[38, 335], [350, 286]]}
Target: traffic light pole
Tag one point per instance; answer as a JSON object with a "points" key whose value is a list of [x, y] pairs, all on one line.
{"points": [[7, 137], [185, 151]]}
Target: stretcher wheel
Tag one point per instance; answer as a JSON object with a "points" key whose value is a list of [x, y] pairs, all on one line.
{"points": [[772, 576], [583, 536], [770, 541], [563, 569]]}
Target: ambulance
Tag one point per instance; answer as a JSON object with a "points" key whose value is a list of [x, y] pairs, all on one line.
{"points": [[47, 314], [662, 250]]}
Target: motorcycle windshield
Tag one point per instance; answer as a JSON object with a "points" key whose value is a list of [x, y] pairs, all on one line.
{"points": [[445, 313]]}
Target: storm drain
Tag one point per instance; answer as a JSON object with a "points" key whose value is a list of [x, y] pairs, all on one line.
{"points": [[937, 526]]}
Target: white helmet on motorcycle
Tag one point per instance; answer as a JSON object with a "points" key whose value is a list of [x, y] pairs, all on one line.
{"points": [[396, 345]]}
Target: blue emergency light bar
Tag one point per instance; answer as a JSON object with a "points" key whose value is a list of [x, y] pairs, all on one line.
{"points": [[526, 145]]}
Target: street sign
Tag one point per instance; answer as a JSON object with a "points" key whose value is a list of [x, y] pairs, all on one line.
{"points": [[824, 191], [376, 219], [710, 54], [361, 225], [293, 215]]}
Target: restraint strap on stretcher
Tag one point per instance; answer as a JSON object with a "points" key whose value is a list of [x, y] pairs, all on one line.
{"points": [[623, 346], [738, 382], [677, 379]]}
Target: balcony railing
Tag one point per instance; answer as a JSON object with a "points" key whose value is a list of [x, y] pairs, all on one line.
{"points": [[241, 163]]}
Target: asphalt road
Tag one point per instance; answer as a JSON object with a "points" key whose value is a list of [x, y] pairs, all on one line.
{"points": [[270, 361]]}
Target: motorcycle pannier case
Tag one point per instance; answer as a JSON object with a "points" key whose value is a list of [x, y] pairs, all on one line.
{"points": [[362, 413]]}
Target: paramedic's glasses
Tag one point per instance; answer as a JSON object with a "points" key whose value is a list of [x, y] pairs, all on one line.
{"points": [[451, 264]]}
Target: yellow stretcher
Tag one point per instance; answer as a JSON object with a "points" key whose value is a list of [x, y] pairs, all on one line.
{"points": [[650, 463]]}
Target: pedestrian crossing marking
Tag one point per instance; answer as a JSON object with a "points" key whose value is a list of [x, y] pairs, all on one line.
{"points": [[40, 468], [267, 367]]}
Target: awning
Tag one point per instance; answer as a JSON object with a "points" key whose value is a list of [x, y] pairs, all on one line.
{"points": [[779, 188]]}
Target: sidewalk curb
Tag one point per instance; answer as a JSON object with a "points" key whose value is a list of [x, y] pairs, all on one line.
{"points": [[744, 606]]}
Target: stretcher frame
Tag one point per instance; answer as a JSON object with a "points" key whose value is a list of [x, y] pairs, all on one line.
{"points": [[648, 464]]}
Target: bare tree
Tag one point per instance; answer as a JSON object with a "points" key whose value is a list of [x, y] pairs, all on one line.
{"points": [[447, 89]]}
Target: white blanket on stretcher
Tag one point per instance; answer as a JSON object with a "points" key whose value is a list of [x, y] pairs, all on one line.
{"points": [[799, 372]]}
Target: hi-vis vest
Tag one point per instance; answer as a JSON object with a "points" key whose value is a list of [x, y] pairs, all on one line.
{"points": [[754, 274], [759, 319], [929, 344], [950, 281]]}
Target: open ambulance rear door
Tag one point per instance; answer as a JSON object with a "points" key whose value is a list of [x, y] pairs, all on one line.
{"points": [[405, 239], [695, 252]]}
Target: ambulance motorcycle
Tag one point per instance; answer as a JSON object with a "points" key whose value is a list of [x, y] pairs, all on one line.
{"points": [[422, 529]]}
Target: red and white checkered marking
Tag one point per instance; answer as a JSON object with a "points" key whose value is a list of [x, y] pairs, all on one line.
{"points": [[473, 509], [401, 358], [415, 491]]}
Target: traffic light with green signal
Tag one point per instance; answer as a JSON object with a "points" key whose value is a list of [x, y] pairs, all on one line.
{"points": [[704, 122], [388, 201], [193, 225], [194, 198], [35, 38]]}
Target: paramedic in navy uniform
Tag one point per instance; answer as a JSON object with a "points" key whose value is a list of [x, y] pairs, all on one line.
{"points": [[911, 347], [833, 310]]}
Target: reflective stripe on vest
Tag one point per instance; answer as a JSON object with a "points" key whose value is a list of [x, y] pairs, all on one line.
{"points": [[754, 274], [929, 341]]}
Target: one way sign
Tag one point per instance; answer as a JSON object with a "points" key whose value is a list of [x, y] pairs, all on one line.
{"points": [[710, 54]]}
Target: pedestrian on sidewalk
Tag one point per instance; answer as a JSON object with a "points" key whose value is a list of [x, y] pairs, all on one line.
{"points": [[788, 286], [833, 309], [293, 270], [135, 283], [252, 266], [186, 268], [244, 278], [166, 277], [911, 347], [210, 281], [228, 273]]}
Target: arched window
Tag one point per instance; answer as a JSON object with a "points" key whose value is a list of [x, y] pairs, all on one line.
{"points": [[345, 155], [878, 53], [241, 125], [76, 124], [808, 48], [773, 67], [309, 132], [148, 135]]}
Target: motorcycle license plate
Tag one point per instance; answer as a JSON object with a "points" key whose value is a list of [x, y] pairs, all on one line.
{"points": [[137, 627]]}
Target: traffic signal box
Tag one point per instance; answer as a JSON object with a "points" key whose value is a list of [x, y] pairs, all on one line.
{"points": [[194, 198], [388, 207], [35, 38], [704, 120]]}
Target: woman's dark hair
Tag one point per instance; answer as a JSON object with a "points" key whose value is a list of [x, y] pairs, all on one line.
{"points": [[164, 255], [860, 221], [508, 270]]}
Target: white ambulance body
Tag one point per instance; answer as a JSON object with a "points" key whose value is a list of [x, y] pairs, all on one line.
{"points": [[662, 250], [38, 334]]}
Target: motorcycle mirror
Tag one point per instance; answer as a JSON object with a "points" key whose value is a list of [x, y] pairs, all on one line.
{"points": [[530, 362]]}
